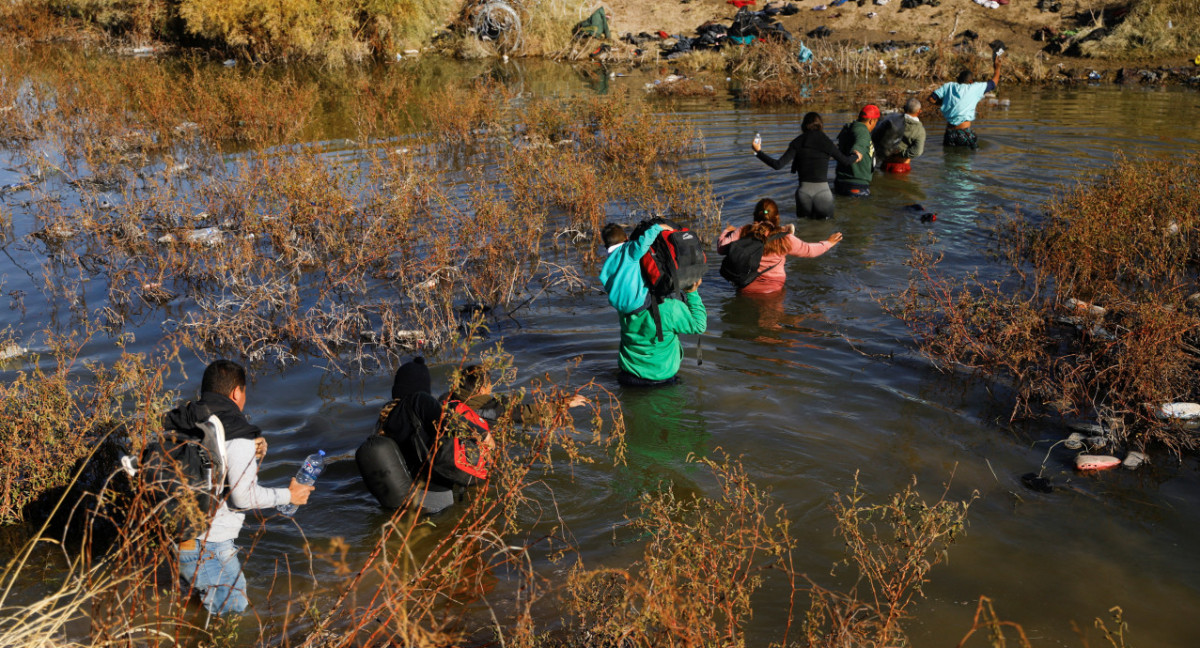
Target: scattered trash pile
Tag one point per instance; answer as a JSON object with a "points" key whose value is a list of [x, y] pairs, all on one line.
{"points": [[746, 27]]}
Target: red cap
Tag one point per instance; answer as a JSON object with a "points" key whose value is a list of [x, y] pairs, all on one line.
{"points": [[869, 111]]}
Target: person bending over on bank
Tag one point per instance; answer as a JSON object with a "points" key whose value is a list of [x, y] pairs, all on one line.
{"points": [[958, 99], [646, 360], [778, 244], [475, 390], [809, 156], [855, 137], [209, 563], [900, 137]]}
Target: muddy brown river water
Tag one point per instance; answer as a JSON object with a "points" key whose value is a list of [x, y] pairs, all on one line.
{"points": [[809, 389]]}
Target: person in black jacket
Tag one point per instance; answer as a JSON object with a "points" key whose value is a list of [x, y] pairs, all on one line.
{"points": [[809, 157], [424, 430]]}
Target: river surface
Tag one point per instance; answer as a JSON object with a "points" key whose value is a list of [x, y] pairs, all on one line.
{"points": [[809, 389]]}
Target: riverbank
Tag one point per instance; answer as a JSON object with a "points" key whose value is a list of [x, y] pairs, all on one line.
{"points": [[1139, 41]]}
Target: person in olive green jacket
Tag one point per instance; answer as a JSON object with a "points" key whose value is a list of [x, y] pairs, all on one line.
{"points": [[855, 179], [644, 360]]}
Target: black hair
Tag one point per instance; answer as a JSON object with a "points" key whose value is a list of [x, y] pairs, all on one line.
{"points": [[812, 122], [471, 380], [966, 76], [613, 234], [222, 377]]}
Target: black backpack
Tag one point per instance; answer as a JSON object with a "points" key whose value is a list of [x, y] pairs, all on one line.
{"points": [[184, 473], [740, 265]]}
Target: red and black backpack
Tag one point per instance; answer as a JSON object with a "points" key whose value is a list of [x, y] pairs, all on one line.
{"points": [[463, 452], [674, 262]]}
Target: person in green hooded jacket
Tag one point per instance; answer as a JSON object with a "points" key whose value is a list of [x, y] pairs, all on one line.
{"points": [[645, 361], [595, 25], [855, 179]]}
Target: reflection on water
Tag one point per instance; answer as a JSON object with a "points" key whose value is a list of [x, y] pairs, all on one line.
{"points": [[807, 387]]}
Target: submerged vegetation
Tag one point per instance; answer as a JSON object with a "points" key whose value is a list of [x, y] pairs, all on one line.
{"points": [[1100, 315]]}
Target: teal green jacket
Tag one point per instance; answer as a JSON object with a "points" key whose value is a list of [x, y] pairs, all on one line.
{"points": [[622, 272], [856, 137], [643, 355]]}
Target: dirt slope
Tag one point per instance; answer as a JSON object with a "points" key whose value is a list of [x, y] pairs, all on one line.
{"points": [[1014, 23]]}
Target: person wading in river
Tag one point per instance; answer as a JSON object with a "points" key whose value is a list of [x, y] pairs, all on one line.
{"points": [[209, 563], [809, 156], [777, 243], [855, 179], [900, 137], [958, 99]]}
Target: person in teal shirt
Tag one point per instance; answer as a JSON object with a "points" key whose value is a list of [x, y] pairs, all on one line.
{"points": [[958, 100], [855, 179], [622, 271], [644, 360]]}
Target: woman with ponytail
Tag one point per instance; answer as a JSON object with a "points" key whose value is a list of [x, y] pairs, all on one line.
{"points": [[778, 243]]}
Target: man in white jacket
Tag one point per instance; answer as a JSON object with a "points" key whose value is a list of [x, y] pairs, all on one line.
{"points": [[209, 563]]}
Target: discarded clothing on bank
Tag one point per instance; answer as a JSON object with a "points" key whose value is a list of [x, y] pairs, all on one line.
{"points": [[779, 8], [913, 4], [820, 32], [804, 55]]}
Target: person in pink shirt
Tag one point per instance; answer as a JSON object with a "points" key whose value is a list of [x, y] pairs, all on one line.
{"points": [[778, 244]]}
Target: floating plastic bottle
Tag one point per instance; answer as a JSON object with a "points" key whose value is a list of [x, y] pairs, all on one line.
{"points": [[312, 468]]}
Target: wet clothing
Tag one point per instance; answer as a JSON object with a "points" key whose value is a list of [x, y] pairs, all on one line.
{"points": [[622, 272], [849, 189], [211, 566], [855, 136], [899, 137], [595, 25], [629, 380], [896, 167], [771, 266], [814, 200], [964, 137], [809, 156], [642, 354], [411, 420], [958, 100]]}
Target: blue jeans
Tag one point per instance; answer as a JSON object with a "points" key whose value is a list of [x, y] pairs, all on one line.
{"points": [[213, 568]]}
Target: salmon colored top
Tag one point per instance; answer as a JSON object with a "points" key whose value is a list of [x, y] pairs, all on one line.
{"points": [[772, 280]]}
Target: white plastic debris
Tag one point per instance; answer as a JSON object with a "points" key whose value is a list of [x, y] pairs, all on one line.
{"points": [[209, 236], [1178, 411], [1081, 306], [230, 62], [1135, 459], [12, 351], [178, 168]]}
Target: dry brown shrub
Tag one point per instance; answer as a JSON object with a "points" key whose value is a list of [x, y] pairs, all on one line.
{"points": [[1153, 27], [692, 587], [1123, 242]]}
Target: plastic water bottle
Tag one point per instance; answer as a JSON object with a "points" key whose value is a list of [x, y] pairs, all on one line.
{"points": [[757, 139], [313, 465]]}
